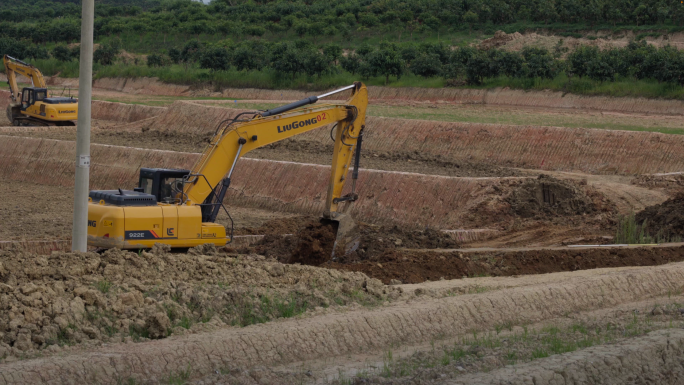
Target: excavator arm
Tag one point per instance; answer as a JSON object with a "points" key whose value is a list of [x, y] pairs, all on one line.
{"points": [[234, 141], [14, 66]]}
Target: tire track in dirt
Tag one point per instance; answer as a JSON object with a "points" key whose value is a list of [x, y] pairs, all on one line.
{"points": [[355, 331]]}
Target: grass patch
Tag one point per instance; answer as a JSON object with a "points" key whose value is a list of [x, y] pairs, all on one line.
{"points": [[503, 115], [138, 332], [180, 377], [520, 344], [263, 308], [103, 286], [631, 232]]}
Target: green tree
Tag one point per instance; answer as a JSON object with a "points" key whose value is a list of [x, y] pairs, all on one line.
{"points": [[289, 61], [351, 63], [190, 53], [315, 63], [107, 53], [427, 65], [251, 56], [477, 68], [409, 53], [61, 53], [255, 30], [510, 63], [215, 59], [580, 58], [333, 52], [157, 60], [539, 63], [470, 18], [386, 62], [599, 69], [640, 13], [175, 55]]}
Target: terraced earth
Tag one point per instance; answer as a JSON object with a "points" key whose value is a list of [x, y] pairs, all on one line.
{"points": [[468, 272]]}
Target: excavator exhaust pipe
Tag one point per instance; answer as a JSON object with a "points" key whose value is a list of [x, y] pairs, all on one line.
{"points": [[347, 235]]}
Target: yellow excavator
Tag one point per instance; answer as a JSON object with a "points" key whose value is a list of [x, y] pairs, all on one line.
{"points": [[35, 107], [179, 207]]}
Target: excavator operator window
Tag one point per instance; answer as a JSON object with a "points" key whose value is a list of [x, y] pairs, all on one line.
{"points": [[169, 188], [40, 95], [25, 99], [146, 184]]}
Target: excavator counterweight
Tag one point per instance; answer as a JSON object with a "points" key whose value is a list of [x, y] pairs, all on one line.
{"points": [[179, 207]]}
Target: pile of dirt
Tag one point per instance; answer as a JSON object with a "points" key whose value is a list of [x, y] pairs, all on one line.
{"points": [[69, 298], [666, 219], [500, 38], [313, 243], [416, 267], [548, 196]]}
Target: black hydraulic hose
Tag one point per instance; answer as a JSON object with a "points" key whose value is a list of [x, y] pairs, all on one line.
{"points": [[291, 106], [233, 120], [357, 157]]}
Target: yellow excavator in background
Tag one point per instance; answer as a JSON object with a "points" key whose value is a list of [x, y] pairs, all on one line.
{"points": [[35, 107], [179, 207]]}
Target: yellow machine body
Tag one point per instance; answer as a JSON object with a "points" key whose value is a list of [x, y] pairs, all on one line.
{"points": [[185, 218], [132, 227], [64, 112]]}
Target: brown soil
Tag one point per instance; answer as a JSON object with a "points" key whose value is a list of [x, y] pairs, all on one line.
{"points": [[665, 219], [288, 150], [549, 196], [414, 267], [33, 211], [312, 244], [68, 298], [313, 152]]}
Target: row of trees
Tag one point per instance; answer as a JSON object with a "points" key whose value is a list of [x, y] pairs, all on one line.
{"points": [[58, 21], [638, 60]]}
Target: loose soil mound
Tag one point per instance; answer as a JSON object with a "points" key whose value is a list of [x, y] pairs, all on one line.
{"points": [[549, 196], [416, 267], [666, 219], [313, 243], [68, 298]]}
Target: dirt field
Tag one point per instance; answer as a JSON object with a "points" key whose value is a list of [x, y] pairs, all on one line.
{"points": [[464, 273]]}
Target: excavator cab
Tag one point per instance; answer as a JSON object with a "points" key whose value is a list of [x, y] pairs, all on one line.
{"points": [[163, 183], [31, 95]]}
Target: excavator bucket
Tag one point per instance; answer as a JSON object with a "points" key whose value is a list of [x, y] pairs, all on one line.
{"points": [[347, 235]]}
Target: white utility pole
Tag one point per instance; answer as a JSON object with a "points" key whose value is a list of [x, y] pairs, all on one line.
{"points": [[85, 88]]}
